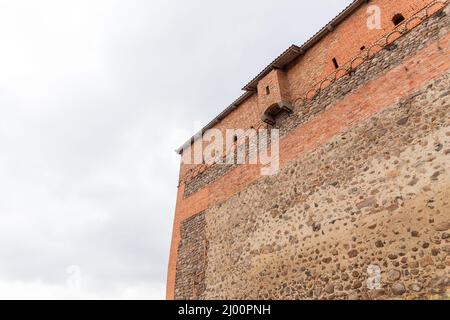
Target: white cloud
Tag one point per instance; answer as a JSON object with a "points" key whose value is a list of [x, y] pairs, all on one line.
{"points": [[95, 95]]}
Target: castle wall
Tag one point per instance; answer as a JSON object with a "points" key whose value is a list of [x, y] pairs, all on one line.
{"points": [[364, 181]]}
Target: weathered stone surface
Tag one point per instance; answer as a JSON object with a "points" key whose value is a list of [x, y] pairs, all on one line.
{"points": [[415, 234], [387, 59], [403, 121], [415, 287], [353, 296], [441, 282], [427, 261], [190, 276], [379, 244], [357, 284]]}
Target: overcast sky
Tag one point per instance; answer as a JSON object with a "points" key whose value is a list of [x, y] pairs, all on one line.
{"points": [[95, 95]]}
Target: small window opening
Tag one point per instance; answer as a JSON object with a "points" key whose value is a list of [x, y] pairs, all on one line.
{"points": [[363, 48], [267, 90], [336, 65], [235, 138], [398, 18]]}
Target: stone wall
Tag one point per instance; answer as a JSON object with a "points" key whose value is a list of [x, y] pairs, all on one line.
{"points": [[384, 61], [342, 43], [191, 264], [374, 193], [378, 194]]}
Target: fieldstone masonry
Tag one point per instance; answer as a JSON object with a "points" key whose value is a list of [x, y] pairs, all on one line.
{"points": [[375, 196]]}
